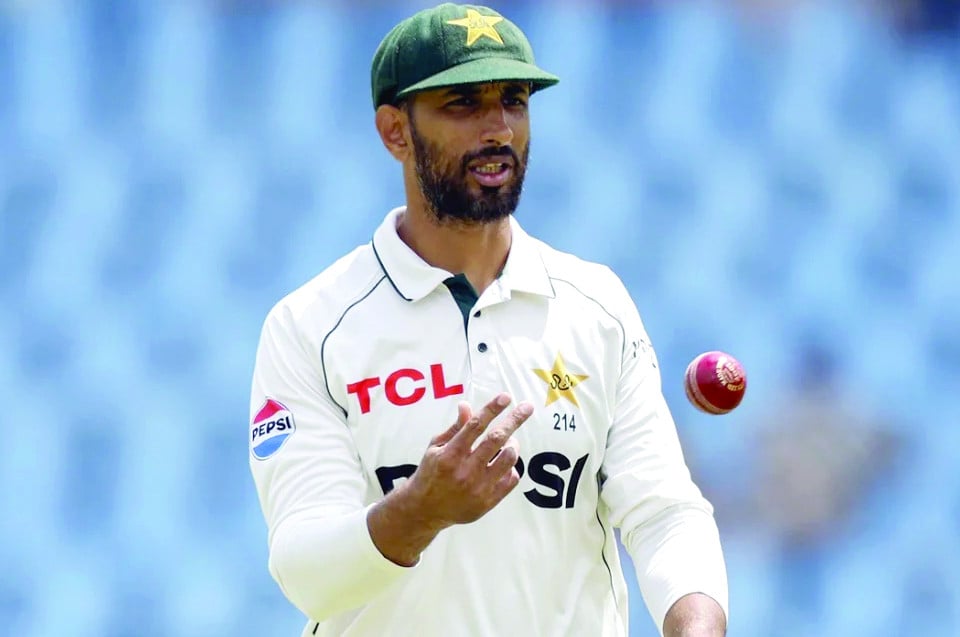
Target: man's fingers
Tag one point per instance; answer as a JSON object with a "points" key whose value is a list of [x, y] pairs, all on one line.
{"points": [[497, 437], [517, 417], [506, 483], [463, 415], [476, 425], [506, 458]]}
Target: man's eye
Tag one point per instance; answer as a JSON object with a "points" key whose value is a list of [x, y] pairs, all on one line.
{"points": [[462, 101], [515, 101]]}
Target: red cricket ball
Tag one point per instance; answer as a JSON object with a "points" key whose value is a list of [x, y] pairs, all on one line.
{"points": [[715, 382]]}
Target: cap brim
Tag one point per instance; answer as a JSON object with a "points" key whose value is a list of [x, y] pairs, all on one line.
{"points": [[485, 70]]}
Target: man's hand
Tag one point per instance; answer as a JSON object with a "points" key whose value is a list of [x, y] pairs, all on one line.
{"points": [[695, 615], [465, 472], [462, 476]]}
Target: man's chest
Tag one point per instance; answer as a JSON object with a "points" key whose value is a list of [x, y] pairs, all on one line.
{"points": [[401, 386]]}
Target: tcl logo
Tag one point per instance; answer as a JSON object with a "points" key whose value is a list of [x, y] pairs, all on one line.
{"points": [[404, 387]]}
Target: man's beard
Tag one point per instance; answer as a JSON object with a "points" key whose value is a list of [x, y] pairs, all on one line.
{"points": [[447, 191]]}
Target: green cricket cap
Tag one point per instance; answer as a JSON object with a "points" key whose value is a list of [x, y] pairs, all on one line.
{"points": [[449, 45]]}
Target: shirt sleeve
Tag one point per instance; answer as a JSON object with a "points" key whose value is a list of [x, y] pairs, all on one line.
{"points": [[666, 524], [311, 487]]}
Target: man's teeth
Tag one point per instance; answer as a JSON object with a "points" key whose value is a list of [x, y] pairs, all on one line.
{"points": [[489, 168]]}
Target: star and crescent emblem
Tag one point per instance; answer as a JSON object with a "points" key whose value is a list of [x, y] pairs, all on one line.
{"points": [[560, 381], [478, 26]]}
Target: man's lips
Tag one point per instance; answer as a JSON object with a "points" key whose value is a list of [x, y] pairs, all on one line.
{"points": [[492, 171], [491, 175], [491, 159]]}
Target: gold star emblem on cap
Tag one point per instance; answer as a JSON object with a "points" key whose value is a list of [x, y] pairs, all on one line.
{"points": [[560, 381], [478, 26]]}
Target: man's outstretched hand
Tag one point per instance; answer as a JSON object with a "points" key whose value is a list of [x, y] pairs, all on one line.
{"points": [[466, 471]]}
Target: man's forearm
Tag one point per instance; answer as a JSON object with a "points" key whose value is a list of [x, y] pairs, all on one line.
{"points": [[326, 563], [677, 556], [695, 615], [398, 529]]}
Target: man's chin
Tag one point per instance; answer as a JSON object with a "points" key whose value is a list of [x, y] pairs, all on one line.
{"points": [[473, 203], [491, 192], [476, 215]]}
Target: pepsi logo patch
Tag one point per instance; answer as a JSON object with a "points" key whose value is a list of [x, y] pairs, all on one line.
{"points": [[272, 426]]}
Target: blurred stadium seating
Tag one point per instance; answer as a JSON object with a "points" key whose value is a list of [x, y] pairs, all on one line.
{"points": [[169, 169]]}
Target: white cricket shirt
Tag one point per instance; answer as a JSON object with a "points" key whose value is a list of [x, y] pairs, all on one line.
{"points": [[358, 369]]}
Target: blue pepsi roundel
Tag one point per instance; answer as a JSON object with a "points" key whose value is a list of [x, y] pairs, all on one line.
{"points": [[272, 426]]}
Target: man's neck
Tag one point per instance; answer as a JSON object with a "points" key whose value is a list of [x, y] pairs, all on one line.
{"points": [[479, 251]]}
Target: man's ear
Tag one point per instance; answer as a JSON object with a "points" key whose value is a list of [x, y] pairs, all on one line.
{"points": [[391, 124]]}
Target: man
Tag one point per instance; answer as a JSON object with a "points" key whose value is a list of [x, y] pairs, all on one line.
{"points": [[449, 422]]}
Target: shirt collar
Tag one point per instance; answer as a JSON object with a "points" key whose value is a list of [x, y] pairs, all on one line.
{"points": [[413, 278], [525, 270]]}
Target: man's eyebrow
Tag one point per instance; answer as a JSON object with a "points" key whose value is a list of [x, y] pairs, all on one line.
{"points": [[472, 90], [515, 88], [466, 90]]}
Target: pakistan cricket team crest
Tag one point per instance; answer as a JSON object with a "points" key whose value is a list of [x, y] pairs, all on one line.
{"points": [[560, 381], [478, 26]]}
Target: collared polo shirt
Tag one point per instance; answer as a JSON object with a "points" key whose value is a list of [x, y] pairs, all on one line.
{"points": [[358, 369]]}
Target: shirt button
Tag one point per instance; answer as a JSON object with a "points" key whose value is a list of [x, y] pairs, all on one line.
{"points": [[476, 314], [482, 347]]}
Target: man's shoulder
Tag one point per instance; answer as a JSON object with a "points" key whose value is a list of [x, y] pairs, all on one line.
{"points": [[327, 294], [588, 278], [590, 284]]}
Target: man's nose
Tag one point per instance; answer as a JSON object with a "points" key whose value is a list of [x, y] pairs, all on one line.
{"points": [[496, 129]]}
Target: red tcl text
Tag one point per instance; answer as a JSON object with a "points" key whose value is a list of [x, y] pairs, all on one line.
{"points": [[415, 388]]}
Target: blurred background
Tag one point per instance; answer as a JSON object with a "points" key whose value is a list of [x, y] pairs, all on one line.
{"points": [[777, 179]]}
